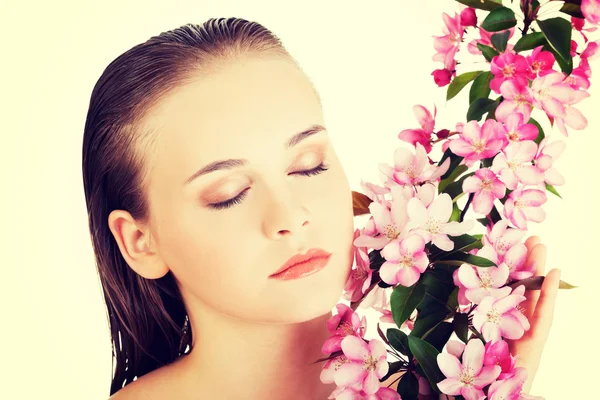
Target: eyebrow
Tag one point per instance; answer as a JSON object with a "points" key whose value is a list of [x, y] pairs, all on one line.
{"points": [[238, 162]]}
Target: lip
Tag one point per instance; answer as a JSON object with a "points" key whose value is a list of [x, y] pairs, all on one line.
{"points": [[301, 265]]}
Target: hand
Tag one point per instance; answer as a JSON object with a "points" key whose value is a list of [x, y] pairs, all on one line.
{"points": [[539, 310]]}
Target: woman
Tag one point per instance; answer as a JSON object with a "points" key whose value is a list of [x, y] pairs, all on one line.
{"points": [[206, 166]]}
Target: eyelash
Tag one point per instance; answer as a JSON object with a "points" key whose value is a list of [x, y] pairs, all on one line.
{"points": [[238, 199]]}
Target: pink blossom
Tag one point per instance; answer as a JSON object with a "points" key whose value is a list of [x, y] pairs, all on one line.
{"points": [[591, 11], [413, 168], [541, 61], [350, 393], [516, 99], [515, 129], [509, 249], [509, 66], [578, 78], [591, 50], [373, 191], [367, 364], [487, 188], [359, 278], [551, 94], [523, 205], [442, 77], [510, 388], [448, 45], [514, 164], [469, 377], [516, 261], [572, 117], [380, 302], [390, 222], [497, 353], [432, 222], [482, 282], [496, 318], [346, 322], [579, 25], [422, 135], [476, 143], [545, 158], [405, 261], [331, 367], [468, 17], [502, 238]]}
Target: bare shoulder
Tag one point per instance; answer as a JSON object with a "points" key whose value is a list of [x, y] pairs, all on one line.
{"points": [[159, 384]]}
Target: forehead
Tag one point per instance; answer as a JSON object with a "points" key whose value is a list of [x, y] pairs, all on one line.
{"points": [[241, 107]]}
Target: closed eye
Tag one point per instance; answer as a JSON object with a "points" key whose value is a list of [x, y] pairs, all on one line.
{"points": [[238, 199]]}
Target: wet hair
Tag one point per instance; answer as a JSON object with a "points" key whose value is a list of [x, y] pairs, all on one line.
{"points": [[147, 317]]}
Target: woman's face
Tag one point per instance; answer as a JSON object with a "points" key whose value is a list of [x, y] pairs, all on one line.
{"points": [[249, 110]]}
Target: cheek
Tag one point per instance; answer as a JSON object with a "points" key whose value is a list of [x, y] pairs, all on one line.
{"points": [[206, 258]]}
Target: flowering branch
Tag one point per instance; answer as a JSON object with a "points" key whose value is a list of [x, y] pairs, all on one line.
{"points": [[417, 262]]}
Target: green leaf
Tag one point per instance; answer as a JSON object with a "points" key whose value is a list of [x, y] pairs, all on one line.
{"points": [[461, 258], [461, 326], [394, 367], [479, 107], [499, 19], [408, 387], [557, 32], [530, 42], [453, 299], [453, 175], [481, 86], [573, 10], [404, 300], [437, 283], [438, 336], [492, 110], [426, 355], [540, 135], [455, 216], [454, 161], [455, 188], [488, 52], [499, 40], [398, 340], [551, 189], [487, 5], [535, 283], [460, 82]]}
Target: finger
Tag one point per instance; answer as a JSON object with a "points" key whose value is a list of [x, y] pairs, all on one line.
{"points": [[541, 321], [532, 241], [537, 256]]}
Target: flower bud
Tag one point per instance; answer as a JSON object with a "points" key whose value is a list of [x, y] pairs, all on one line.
{"points": [[442, 77], [468, 17], [442, 134]]}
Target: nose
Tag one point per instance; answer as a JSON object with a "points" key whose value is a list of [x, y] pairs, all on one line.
{"points": [[284, 215]]}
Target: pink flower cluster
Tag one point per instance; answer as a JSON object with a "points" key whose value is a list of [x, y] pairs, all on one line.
{"points": [[469, 368], [363, 363], [414, 217]]}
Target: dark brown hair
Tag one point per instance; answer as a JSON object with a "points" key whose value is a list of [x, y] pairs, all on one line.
{"points": [[146, 316]]}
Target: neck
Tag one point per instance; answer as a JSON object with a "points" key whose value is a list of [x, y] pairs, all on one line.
{"points": [[241, 360]]}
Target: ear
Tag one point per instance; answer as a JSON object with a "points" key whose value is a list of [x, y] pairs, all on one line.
{"points": [[134, 242]]}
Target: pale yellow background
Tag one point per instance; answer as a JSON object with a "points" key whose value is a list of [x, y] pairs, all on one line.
{"points": [[371, 64]]}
